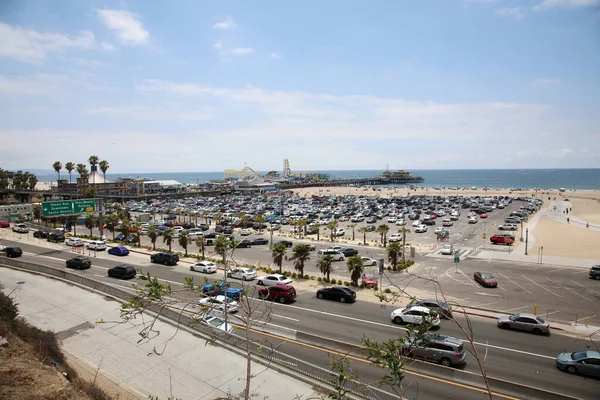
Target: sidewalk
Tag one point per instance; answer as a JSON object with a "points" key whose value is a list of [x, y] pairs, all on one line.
{"points": [[188, 369]]}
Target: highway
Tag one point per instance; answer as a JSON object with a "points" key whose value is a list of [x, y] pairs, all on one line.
{"points": [[512, 356]]}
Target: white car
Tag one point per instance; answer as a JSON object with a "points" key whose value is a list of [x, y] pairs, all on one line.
{"points": [[204, 266], [344, 218], [392, 220], [335, 255], [401, 222], [447, 250], [274, 279], [245, 232], [395, 237], [454, 217], [97, 245], [339, 232], [416, 223], [74, 242], [421, 229], [438, 229], [195, 235], [220, 302], [447, 222], [20, 228], [415, 315], [336, 248], [368, 261], [216, 323], [245, 274], [472, 220]]}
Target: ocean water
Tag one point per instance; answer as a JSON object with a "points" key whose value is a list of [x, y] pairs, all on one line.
{"points": [[580, 179]]}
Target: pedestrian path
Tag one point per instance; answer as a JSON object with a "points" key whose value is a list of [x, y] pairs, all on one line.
{"points": [[187, 369]]}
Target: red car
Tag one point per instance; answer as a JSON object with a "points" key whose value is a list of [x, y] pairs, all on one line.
{"points": [[484, 215], [369, 280], [502, 239], [485, 279], [4, 224], [433, 216], [280, 292]]}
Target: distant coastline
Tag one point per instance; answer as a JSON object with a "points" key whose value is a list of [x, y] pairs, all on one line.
{"points": [[578, 179]]}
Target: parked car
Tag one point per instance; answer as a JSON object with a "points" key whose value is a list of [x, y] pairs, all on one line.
{"points": [[502, 239], [12, 251], [74, 242], [4, 224], [280, 292], [286, 242], [444, 350], [339, 232], [216, 323], [123, 271], [507, 227], [348, 252], [204, 266], [447, 222], [368, 261], [595, 272], [524, 322], [483, 215], [395, 237], [443, 309], [220, 302], [223, 289], [421, 229], [97, 245], [79, 262], [371, 228], [430, 221], [368, 279], [258, 241], [42, 234], [274, 279], [485, 279], [118, 251], [245, 274], [447, 249], [245, 232], [338, 293], [244, 243], [164, 258], [580, 362], [336, 255], [415, 315], [56, 237], [20, 228]]}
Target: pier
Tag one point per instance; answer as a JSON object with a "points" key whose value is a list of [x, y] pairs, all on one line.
{"points": [[352, 182]]}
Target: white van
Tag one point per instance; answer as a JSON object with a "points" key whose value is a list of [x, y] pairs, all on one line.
{"points": [[335, 254]]}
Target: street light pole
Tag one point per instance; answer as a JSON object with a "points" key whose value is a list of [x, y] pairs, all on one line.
{"points": [[526, 239]]}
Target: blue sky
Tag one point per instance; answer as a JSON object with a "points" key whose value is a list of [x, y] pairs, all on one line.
{"points": [[210, 85]]}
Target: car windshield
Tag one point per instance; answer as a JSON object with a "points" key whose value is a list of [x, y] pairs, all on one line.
{"points": [[369, 276], [540, 320], [578, 355], [487, 276], [216, 322], [248, 270]]}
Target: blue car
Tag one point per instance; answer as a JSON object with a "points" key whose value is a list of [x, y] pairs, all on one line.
{"points": [[118, 251], [221, 288]]}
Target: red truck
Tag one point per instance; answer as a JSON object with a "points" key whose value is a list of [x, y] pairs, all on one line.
{"points": [[503, 239]]}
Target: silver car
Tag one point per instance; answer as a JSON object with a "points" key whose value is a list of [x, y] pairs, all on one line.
{"points": [[525, 322], [445, 350]]}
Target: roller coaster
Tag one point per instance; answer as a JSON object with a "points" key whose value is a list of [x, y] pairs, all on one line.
{"points": [[245, 172]]}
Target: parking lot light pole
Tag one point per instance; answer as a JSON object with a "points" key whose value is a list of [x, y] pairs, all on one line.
{"points": [[526, 239]]}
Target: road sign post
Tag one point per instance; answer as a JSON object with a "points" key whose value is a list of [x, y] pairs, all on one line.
{"points": [[380, 265], [67, 207]]}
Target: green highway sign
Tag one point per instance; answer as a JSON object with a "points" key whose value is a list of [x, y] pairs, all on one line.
{"points": [[67, 207], [456, 258]]}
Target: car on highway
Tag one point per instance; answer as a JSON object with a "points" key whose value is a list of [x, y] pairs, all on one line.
{"points": [[220, 302], [586, 362], [123, 271], [348, 251], [443, 309], [507, 227], [12, 251], [216, 322], [75, 242], [524, 322], [55, 237], [368, 279], [97, 245], [244, 243], [421, 229], [79, 262], [335, 255], [245, 274], [368, 261], [273, 279], [40, 233], [444, 350], [595, 272], [20, 228], [118, 251], [223, 289], [338, 293], [4, 224], [281, 293], [415, 315], [485, 279], [502, 239], [164, 258], [207, 267], [447, 250], [287, 243], [259, 241]]}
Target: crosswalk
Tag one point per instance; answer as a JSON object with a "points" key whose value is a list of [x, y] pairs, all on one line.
{"points": [[462, 252]]}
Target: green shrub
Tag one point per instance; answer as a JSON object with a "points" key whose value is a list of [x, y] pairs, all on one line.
{"points": [[312, 278], [287, 273], [362, 285], [306, 277], [389, 268], [346, 283], [387, 290], [375, 287], [326, 280], [319, 279], [294, 275]]}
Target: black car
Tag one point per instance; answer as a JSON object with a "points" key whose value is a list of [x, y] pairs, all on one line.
{"points": [[371, 220], [595, 272], [79, 262], [219, 229], [371, 228], [13, 251], [228, 230], [210, 235], [41, 234], [339, 293], [442, 308], [256, 241], [245, 243], [349, 252], [204, 227], [56, 237], [127, 239], [286, 242], [429, 222], [123, 271], [164, 258]]}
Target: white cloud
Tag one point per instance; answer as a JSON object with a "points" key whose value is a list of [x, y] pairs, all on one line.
{"points": [[51, 83], [547, 4], [217, 45], [241, 51], [107, 46], [275, 56], [22, 85], [125, 25], [152, 113], [545, 82], [226, 24], [32, 46], [514, 12]]}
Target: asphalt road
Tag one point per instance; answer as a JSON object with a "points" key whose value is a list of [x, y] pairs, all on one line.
{"points": [[512, 356]]}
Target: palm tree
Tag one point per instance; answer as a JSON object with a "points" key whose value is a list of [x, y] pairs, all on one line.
{"points": [[111, 222], [90, 222], [404, 231], [82, 171], [104, 166], [352, 226], [168, 237], [37, 212], [300, 256], [324, 265], [302, 226], [200, 244], [152, 234], [393, 250], [70, 167], [278, 255], [57, 167], [93, 160], [184, 240], [318, 230], [356, 268], [73, 220], [363, 230], [217, 218], [260, 220], [383, 229], [221, 246], [136, 230], [332, 225]]}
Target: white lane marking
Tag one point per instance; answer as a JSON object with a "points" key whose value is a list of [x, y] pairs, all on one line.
{"points": [[583, 286], [487, 294], [283, 316], [579, 272], [515, 351], [510, 280], [516, 308], [537, 284], [579, 319], [484, 304], [570, 290], [500, 287], [468, 283]]}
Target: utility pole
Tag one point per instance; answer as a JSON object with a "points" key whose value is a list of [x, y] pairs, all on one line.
{"points": [[526, 239]]}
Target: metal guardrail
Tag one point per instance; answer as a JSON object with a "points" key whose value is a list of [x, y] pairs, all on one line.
{"points": [[284, 362]]}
